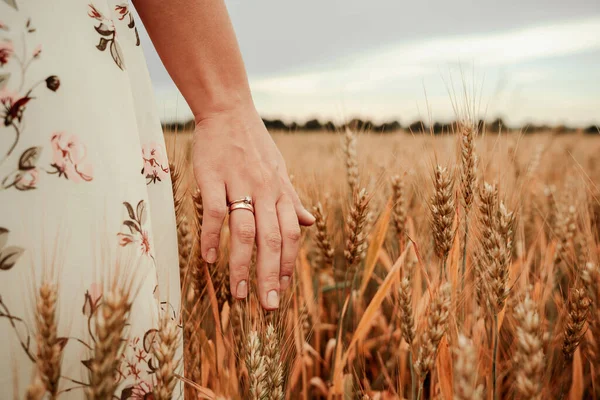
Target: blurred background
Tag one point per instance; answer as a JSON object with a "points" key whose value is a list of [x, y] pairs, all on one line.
{"points": [[526, 62]]}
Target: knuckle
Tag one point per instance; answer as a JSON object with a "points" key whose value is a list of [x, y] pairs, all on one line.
{"points": [[273, 241], [215, 211], [238, 272], [246, 233], [287, 268], [210, 236], [293, 234], [271, 279]]}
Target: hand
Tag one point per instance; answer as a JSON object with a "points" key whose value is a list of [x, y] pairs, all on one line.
{"points": [[234, 156]]}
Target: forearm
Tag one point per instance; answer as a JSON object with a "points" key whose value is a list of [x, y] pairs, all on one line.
{"points": [[197, 44]]}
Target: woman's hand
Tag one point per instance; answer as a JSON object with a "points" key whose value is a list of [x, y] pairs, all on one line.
{"points": [[234, 156]]}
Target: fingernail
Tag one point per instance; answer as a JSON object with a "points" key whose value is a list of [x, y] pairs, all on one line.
{"points": [[273, 299], [211, 256], [284, 282], [309, 215], [242, 290]]}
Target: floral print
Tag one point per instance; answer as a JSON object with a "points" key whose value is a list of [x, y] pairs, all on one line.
{"points": [[136, 225], [6, 50], [156, 164], [108, 36], [66, 169], [69, 158], [123, 11]]}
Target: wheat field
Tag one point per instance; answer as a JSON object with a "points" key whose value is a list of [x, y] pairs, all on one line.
{"points": [[455, 266]]}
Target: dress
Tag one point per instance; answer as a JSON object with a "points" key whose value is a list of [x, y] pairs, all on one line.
{"points": [[85, 196]]}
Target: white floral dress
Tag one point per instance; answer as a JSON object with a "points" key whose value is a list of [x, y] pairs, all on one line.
{"points": [[85, 190]]}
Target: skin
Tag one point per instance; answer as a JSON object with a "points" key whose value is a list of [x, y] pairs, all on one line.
{"points": [[233, 154]]}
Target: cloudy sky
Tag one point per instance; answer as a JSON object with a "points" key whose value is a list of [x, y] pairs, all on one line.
{"points": [[527, 60]]}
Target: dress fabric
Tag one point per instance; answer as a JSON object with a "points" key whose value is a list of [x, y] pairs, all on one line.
{"points": [[85, 191]]}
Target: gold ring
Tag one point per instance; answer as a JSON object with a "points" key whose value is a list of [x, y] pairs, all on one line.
{"points": [[245, 200], [241, 206]]}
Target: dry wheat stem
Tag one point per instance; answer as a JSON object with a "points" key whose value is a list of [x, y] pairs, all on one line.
{"points": [[529, 354], [322, 238], [437, 322], [164, 351], [465, 371], [110, 324], [273, 367], [351, 161], [578, 310], [355, 230], [49, 350], [36, 390], [400, 207], [442, 211], [255, 363]]}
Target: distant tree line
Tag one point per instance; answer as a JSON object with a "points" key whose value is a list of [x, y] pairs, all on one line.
{"points": [[357, 124]]}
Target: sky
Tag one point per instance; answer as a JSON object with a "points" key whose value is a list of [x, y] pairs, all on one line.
{"points": [[528, 61]]}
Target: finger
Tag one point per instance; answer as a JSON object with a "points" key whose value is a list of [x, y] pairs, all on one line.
{"points": [[243, 233], [269, 253], [215, 210], [290, 233], [305, 218]]}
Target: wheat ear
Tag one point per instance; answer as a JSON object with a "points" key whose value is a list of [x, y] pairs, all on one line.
{"points": [[529, 354], [351, 160], [355, 230], [164, 351], [49, 350], [273, 367], [255, 364], [110, 323], [465, 371], [442, 213], [326, 251], [437, 321]]}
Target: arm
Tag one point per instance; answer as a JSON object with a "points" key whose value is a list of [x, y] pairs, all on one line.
{"points": [[233, 154]]}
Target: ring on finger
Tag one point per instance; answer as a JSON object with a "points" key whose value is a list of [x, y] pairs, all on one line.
{"points": [[241, 206]]}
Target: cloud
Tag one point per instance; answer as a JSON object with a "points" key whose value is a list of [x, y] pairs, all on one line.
{"points": [[368, 70]]}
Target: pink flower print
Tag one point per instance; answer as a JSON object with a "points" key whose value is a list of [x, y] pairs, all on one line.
{"points": [[145, 243], [122, 10], [69, 158], [3, 26], [37, 51], [125, 239], [8, 98], [94, 13], [27, 180], [135, 224], [6, 50], [156, 164]]}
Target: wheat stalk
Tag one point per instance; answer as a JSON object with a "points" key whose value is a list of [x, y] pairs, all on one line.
{"points": [[255, 363], [36, 389], [323, 240], [355, 230], [465, 371], [351, 160], [437, 321], [273, 367], [48, 348], [529, 354], [578, 310], [441, 207], [164, 351], [399, 212], [110, 324]]}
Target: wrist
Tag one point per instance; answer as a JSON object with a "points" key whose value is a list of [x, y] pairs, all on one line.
{"points": [[233, 103]]}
